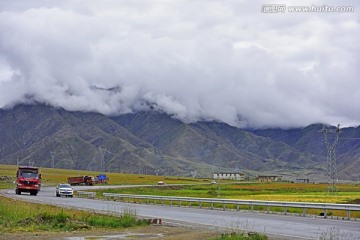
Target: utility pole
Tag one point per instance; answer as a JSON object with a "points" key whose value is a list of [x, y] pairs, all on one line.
{"points": [[193, 173], [219, 183], [331, 157], [31, 163], [52, 159], [1, 153]]}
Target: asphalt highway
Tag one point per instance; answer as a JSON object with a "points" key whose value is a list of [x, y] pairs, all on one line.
{"points": [[285, 227]]}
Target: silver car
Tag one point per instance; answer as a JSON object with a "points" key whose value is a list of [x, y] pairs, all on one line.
{"points": [[64, 189]]}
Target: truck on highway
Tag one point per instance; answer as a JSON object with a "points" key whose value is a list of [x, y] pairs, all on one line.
{"points": [[81, 180], [28, 179], [101, 178]]}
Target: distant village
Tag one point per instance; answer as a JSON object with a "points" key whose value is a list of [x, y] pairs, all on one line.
{"points": [[240, 176]]}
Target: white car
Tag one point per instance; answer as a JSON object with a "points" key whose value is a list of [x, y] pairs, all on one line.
{"points": [[213, 182], [64, 189]]}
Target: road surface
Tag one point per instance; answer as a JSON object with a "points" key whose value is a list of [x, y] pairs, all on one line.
{"points": [[285, 227]]}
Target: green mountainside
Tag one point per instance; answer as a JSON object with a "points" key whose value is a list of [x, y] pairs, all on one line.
{"points": [[155, 143]]}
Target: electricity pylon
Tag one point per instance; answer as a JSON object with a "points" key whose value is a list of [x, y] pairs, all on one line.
{"points": [[331, 157], [102, 158]]}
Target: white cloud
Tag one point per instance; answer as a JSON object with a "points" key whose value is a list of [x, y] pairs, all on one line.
{"points": [[220, 60]]}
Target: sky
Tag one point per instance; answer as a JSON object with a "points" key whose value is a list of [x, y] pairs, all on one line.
{"points": [[233, 61]]}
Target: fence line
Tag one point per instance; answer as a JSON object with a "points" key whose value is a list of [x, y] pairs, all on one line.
{"points": [[325, 207]]}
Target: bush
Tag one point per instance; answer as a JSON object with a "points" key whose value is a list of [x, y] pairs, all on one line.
{"points": [[55, 218], [212, 193]]}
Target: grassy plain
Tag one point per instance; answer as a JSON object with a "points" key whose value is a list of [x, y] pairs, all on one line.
{"points": [[53, 176]]}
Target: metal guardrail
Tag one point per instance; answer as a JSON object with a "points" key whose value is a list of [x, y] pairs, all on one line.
{"points": [[325, 207], [88, 194]]}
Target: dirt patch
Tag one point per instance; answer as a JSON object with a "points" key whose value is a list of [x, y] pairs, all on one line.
{"points": [[163, 232], [160, 232]]}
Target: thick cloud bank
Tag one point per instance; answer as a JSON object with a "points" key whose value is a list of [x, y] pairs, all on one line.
{"points": [[197, 60]]}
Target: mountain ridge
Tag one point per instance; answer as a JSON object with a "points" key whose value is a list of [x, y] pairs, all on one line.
{"points": [[151, 142]]}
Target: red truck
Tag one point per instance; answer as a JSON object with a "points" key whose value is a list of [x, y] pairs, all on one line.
{"points": [[28, 180], [82, 180]]}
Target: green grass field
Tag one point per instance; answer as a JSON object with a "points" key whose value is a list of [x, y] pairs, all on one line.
{"points": [[23, 216], [293, 192], [53, 176]]}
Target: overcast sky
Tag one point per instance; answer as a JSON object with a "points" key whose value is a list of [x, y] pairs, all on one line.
{"points": [[196, 60]]}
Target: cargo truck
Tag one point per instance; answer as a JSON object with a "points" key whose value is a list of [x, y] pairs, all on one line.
{"points": [[82, 180], [28, 179]]}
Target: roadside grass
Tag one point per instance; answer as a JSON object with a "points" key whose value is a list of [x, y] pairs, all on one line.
{"points": [[240, 236], [23, 216]]}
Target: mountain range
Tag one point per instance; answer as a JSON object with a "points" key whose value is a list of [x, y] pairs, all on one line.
{"points": [[152, 142]]}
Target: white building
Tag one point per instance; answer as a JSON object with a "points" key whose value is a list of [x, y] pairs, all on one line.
{"points": [[270, 178], [232, 176]]}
